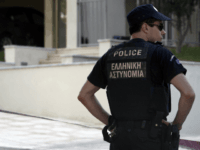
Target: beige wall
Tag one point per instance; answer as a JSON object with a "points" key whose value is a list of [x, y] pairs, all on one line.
{"points": [[48, 91], [37, 4], [4, 64], [56, 23], [72, 24], [31, 55], [48, 30], [51, 91], [106, 44]]}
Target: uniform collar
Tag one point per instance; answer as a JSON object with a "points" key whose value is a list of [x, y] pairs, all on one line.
{"points": [[137, 40]]}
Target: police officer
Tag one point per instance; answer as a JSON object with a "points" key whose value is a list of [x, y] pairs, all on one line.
{"points": [[137, 75]]}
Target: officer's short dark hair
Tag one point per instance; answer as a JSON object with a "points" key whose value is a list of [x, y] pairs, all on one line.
{"points": [[137, 27]]}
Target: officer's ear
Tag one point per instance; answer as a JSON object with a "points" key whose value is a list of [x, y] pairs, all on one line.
{"points": [[144, 28]]}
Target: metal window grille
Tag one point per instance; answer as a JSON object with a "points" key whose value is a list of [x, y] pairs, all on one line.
{"points": [[167, 38], [92, 22]]}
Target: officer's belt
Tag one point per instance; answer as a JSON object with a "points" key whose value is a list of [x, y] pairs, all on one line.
{"points": [[134, 124], [143, 124]]}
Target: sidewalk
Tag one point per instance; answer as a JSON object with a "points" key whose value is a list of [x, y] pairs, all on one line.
{"points": [[19, 132]]}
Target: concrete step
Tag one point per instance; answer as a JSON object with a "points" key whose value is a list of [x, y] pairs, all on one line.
{"points": [[54, 57], [78, 58], [81, 50], [65, 55], [70, 59], [59, 56], [44, 61]]}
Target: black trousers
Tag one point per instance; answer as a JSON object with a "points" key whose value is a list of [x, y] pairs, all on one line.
{"points": [[129, 137]]}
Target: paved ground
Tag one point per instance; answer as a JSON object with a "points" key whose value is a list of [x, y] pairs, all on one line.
{"points": [[19, 132], [25, 132]]}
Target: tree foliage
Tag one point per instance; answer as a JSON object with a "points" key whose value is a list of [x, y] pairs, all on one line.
{"points": [[182, 10]]}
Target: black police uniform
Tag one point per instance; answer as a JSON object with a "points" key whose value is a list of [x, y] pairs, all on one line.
{"points": [[137, 75]]}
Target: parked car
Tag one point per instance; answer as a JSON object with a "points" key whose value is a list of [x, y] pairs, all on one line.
{"points": [[21, 26]]}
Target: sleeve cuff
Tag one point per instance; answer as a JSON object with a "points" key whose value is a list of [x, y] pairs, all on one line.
{"points": [[183, 70], [95, 83]]}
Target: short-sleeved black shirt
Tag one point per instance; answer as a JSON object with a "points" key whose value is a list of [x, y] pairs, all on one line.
{"points": [[164, 67]]}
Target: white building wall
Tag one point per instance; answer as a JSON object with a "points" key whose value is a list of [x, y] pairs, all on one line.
{"points": [[116, 17], [72, 24], [4, 64], [31, 55], [51, 91], [48, 90], [48, 28]]}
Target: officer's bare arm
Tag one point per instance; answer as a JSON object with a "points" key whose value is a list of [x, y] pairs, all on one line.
{"points": [[186, 99], [88, 99]]}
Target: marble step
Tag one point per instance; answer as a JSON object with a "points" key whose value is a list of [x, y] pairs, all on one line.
{"points": [[70, 59], [59, 56], [80, 50], [44, 61], [78, 58]]}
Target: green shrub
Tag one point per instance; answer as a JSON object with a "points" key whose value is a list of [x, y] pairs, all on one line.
{"points": [[2, 56], [188, 53]]}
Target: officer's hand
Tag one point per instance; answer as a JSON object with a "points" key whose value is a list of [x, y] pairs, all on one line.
{"points": [[167, 123]]}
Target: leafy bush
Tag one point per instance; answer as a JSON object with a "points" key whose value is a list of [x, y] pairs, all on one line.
{"points": [[188, 53], [1, 55]]}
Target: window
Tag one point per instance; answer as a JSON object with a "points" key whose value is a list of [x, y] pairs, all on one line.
{"points": [[21, 17], [2, 16], [38, 19], [92, 19]]}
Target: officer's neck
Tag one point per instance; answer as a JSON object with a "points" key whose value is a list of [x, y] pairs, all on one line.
{"points": [[139, 35]]}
